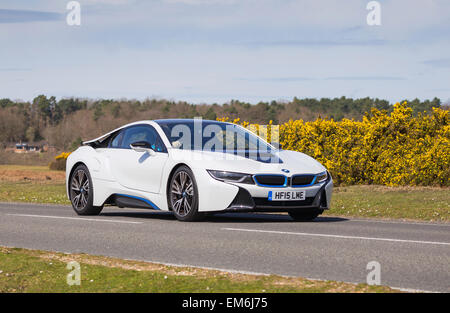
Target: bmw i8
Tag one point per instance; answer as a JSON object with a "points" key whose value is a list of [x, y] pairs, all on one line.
{"points": [[192, 168]]}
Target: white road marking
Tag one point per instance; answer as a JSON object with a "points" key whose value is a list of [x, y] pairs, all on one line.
{"points": [[337, 236], [76, 218], [444, 224]]}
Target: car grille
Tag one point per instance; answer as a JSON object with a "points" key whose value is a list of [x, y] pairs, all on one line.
{"points": [[271, 180], [302, 180]]}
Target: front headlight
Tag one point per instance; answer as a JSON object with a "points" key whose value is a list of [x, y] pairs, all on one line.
{"points": [[321, 177], [231, 177]]}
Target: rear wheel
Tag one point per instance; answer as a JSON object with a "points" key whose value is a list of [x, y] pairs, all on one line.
{"points": [[305, 215], [183, 195], [82, 193]]}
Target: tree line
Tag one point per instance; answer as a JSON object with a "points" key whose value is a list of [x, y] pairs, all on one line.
{"points": [[64, 122]]}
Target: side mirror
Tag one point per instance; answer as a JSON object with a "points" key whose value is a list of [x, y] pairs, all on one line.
{"points": [[142, 146]]}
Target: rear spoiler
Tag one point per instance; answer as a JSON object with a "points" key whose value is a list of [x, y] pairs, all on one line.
{"points": [[94, 141], [99, 139]]}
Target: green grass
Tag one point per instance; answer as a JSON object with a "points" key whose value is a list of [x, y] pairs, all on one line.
{"points": [[54, 193], [414, 203], [38, 271]]}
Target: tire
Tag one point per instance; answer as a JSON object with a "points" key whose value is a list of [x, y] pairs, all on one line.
{"points": [[182, 195], [82, 192], [305, 215]]}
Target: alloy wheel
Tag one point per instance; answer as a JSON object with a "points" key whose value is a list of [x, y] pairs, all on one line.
{"points": [[182, 193], [79, 188]]}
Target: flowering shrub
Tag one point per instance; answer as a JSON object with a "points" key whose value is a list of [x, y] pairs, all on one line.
{"points": [[62, 156], [60, 162], [387, 149]]}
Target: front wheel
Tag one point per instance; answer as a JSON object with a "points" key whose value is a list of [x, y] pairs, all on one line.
{"points": [[183, 195], [305, 215], [82, 192]]}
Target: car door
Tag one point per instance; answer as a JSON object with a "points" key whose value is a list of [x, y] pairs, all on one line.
{"points": [[138, 170]]}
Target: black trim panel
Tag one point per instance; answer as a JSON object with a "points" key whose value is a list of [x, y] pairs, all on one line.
{"points": [[244, 202], [127, 202]]}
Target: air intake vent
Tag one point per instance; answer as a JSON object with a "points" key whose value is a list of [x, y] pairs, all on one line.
{"points": [[302, 180], [268, 180]]}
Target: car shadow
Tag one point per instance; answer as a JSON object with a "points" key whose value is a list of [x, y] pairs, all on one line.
{"points": [[265, 218], [141, 214], [226, 217]]}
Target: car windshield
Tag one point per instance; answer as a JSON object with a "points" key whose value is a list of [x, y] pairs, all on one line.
{"points": [[212, 136]]}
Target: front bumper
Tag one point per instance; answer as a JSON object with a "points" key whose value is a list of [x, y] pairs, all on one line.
{"points": [[254, 199]]}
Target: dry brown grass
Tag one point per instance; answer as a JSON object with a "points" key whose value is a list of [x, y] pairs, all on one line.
{"points": [[39, 159], [19, 173]]}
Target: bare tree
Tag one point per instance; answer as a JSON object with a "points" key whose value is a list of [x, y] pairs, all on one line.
{"points": [[12, 125]]}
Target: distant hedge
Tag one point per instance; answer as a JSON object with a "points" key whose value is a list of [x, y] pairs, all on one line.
{"points": [[384, 148]]}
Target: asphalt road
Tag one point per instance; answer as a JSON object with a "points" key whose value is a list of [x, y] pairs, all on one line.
{"points": [[411, 255]]}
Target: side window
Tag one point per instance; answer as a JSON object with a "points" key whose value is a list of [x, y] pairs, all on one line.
{"points": [[142, 133], [117, 140]]}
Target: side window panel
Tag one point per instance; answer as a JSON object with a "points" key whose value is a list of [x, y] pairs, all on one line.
{"points": [[142, 133], [159, 146], [117, 140]]}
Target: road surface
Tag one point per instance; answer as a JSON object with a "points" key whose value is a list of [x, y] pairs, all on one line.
{"points": [[411, 255]]}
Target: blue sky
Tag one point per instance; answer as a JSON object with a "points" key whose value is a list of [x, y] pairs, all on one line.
{"points": [[217, 50]]}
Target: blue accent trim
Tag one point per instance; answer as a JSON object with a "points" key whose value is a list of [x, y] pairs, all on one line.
{"points": [[313, 182], [271, 186], [142, 199]]}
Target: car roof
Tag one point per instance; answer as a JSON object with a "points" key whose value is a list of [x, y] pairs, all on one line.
{"points": [[168, 121], [181, 120]]}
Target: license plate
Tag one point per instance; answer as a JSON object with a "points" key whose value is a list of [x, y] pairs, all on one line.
{"points": [[296, 195]]}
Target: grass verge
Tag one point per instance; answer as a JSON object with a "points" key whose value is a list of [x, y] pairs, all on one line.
{"points": [[24, 270], [52, 193], [410, 203], [35, 184]]}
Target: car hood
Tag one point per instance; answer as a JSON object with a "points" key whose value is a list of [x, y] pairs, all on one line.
{"points": [[291, 162]]}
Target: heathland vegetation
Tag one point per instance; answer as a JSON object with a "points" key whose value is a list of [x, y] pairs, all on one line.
{"points": [[395, 149], [63, 123], [362, 141]]}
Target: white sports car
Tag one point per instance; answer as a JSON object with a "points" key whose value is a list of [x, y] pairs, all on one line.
{"points": [[192, 167]]}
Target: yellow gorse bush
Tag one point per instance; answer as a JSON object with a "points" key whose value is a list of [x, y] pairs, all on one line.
{"points": [[388, 149], [62, 156]]}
